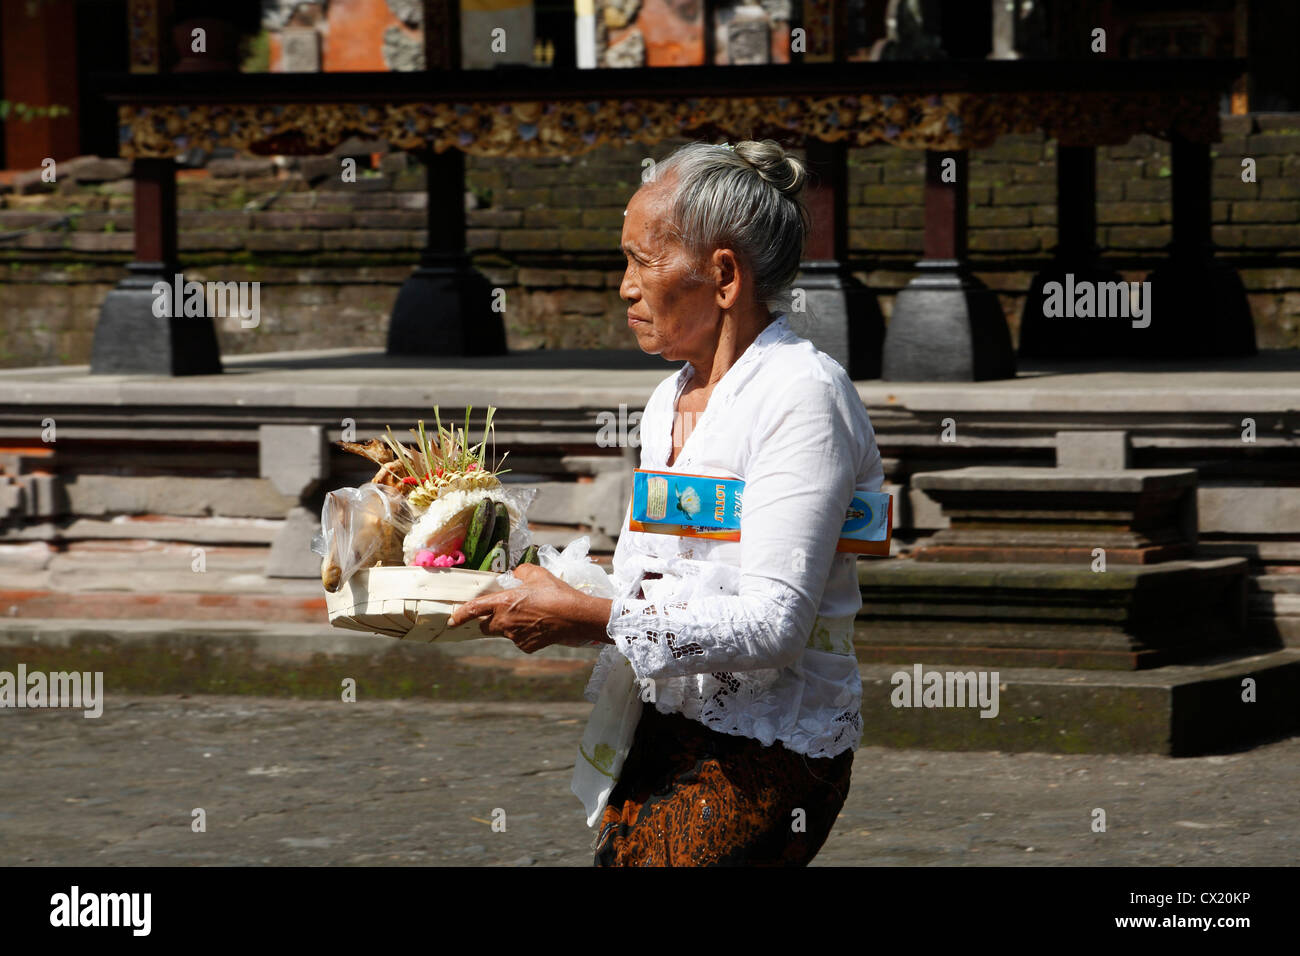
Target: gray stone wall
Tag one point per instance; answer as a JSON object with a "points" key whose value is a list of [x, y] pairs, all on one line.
{"points": [[332, 255]]}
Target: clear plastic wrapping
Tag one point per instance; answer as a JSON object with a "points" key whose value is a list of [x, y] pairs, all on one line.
{"points": [[573, 566], [360, 528]]}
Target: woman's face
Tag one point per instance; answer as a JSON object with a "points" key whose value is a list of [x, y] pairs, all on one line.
{"points": [[671, 314]]}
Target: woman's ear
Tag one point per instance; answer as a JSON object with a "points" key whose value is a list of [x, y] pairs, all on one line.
{"points": [[728, 275]]}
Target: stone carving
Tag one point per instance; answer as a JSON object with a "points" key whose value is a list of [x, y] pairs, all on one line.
{"points": [[301, 50], [410, 12], [1019, 29], [748, 37], [777, 9], [534, 128], [143, 18], [817, 17], [278, 14], [912, 31], [1031, 29], [627, 52], [688, 11], [619, 13], [403, 52]]}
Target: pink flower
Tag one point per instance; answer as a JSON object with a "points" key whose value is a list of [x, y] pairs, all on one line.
{"points": [[473, 466], [427, 559]]}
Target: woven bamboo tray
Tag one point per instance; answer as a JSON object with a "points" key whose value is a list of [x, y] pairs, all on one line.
{"points": [[411, 604]]}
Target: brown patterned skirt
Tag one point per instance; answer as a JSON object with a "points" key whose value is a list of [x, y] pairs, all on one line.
{"points": [[692, 796]]}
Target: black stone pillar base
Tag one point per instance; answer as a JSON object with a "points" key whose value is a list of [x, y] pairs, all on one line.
{"points": [[842, 317], [947, 326], [131, 340], [445, 308], [1043, 336], [1199, 309]]}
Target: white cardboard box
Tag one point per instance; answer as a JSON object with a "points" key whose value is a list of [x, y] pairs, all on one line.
{"points": [[411, 604]]}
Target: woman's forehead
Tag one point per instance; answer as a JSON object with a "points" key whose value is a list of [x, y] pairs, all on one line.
{"points": [[645, 218], [653, 197], [639, 235]]}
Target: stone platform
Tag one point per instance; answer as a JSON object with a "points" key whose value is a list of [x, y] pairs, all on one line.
{"points": [[1179, 711], [1050, 615], [1020, 578], [197, 449], [1062, 514], [151, 517]]}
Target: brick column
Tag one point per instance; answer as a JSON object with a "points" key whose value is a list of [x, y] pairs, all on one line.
{"points": [[842, 318], [445, 307], [1076, 260], [947, 325], [130, 339], [1198, 303]]}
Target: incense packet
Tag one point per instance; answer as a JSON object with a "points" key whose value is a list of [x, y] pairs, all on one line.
{"points": [[702, 506]]}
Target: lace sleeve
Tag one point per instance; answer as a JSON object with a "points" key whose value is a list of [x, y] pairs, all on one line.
{"points": [[801, 475]]}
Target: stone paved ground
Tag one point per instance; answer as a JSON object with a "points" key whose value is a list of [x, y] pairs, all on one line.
{"points": [[299, 782]]}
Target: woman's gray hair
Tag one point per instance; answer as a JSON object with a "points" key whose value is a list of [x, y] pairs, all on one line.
{"points": [[743, 197]]}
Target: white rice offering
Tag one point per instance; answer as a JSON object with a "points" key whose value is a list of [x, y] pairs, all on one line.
{"points": [[447, 518]]}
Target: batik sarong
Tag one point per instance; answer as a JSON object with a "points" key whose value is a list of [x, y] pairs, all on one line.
{"points": [[692, 796]]}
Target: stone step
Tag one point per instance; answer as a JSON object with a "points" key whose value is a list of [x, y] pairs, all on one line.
{"points": [[1275, 617], [158, 566], [1277, 551], [1050, 615], [279, 658], [1006, 514], [1180, 710], [180, 606], [1277, 583]]}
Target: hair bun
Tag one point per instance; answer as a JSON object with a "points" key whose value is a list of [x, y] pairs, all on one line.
{"points": [[776, 166]]}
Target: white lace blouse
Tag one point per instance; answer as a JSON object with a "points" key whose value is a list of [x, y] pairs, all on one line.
{"points": [[754, 637]]}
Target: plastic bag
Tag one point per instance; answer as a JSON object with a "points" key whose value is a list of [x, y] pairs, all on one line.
{"points": [[612, 725], [517, 500], [573, 566], [360, 527], [607, 739]]}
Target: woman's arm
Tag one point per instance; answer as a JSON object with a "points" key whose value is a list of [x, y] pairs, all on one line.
{"points": [[800, 479], [544, 611]]}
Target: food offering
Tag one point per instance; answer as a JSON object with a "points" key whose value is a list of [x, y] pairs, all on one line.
{"points": [[433, 528]]}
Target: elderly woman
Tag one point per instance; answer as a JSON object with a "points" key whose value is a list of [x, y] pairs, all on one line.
{"points": [[744, 757]]}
